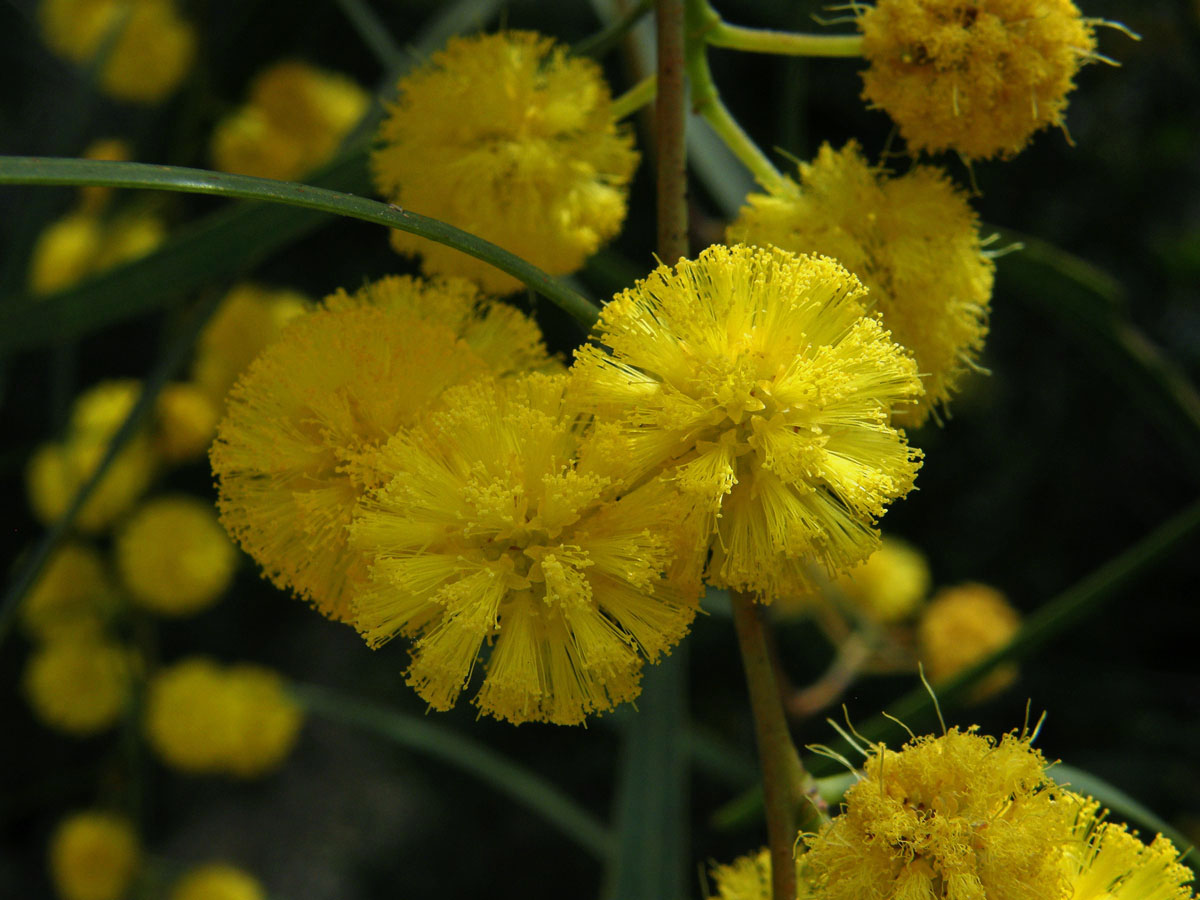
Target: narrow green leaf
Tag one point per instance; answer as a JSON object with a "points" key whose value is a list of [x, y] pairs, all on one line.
{"points": [[171, 361], [1116, 801], [15, 321], [604, 40], [373, 32], [651, 857], [424, 736]]}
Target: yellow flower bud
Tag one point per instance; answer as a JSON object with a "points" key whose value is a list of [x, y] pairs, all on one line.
{"points": [[217, 881], [74, 590], [79, 683], [187, 420], [94, 856], [960, 626]]}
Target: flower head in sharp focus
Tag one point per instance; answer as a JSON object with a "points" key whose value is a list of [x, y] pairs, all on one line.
{"points": [[94, 856], [294, 120], [509, 137], [304, 425], [755, 381], [914, 242], [977, 816], [979, 78], [1106, 861], [502, 525]]}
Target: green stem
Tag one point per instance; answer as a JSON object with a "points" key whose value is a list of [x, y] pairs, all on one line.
{"points": [[635, 98], [784, 43], [783, 777], [373, 33], [670, 120], [706, 101], [35, 170], [598, 44], [171, 361], [421, 735]]}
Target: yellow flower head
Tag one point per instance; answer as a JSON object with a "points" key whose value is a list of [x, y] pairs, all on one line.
{"points": [[294, 120], [187, 421], [65, 253], [1107, 862], [94, 198], [79, 683], [218, 881], [151, 46], [746, 878], [128, 237], [94, 856], [303, 427], [754, 379], [205, 719], [74, 591], [174, 556], [960, 626], [891, 584], [974, 815], [509, 137], [249, 318], [57, 470], [500, 524], [912, 240], [978, 77]]}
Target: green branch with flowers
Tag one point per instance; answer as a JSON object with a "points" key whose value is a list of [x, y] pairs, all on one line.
{"points": [[411, 459]]}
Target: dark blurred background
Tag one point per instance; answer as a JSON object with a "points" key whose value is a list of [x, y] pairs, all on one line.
{"points": [[1048, 468]]}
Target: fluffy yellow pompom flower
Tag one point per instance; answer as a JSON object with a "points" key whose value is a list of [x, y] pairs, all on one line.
{"points": [[302, 428], [294, 120], [977, 816], [754, 379], [74, 591], [914, 242], [978, 78], [1107, 862], [152, 47], [960, 626], [186, 417], [174, 556], [891, 584], [79, 683], [500, 523], [57, 470], [249, 318], [94, 856], [204, 719], [509, 137], [217, 881]]}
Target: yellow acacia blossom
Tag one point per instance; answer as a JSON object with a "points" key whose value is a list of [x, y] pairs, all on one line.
{"points": [[58, 469], [297, 446], [186, 419], [746, 878], [509, 137], [79, 682], [94, 198], [149, 47], [294, 119], [82, 244], [755, 380], [500, 524], [94, 856], [217, 881], [978, 78], [977, 816], [75, 591], [249, 318], [960, 626], [203, 718], [1108, 862], [891, 584], [173, 555], [912, 240]]}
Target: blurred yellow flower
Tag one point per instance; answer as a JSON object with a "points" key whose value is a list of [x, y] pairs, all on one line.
{"points": [[186, 418], [891, 584], [217, 881], [294, 120], [303, 427], [511, 138], [496, 522], [914, 242], [81, 244], [151, 48], [79, 682], [960, 626], [754, 379], [205, 719], [94, 856], [978, 78], [174, 557], [93, 198], [74, 590]]}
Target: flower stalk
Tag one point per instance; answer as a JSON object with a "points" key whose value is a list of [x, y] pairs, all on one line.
{"points": [[783, 43], [670, 127]]}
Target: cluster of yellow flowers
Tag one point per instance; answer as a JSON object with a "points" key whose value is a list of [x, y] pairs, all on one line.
{"points": [[966, 816]]}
